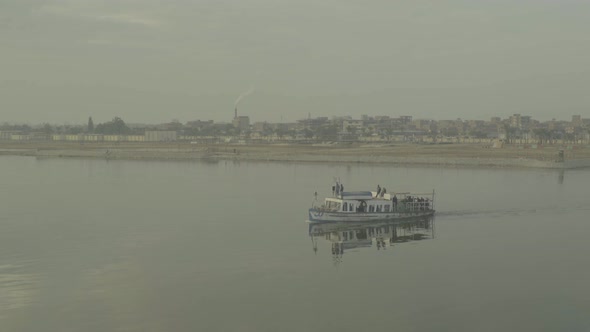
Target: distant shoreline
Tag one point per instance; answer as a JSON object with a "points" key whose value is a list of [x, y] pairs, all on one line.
{"points": [[447, 155]]}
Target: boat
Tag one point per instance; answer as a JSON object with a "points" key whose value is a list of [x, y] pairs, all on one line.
{"points": [[363, 206]]}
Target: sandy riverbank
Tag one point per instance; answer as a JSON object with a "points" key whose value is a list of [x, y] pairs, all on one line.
{"points": [[472, 155]]}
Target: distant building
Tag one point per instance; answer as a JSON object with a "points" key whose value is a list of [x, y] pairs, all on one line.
{"points": [[242, 123], [170, 126], [352, 126], [515, 121], [405, 119], [444, 124], [160, 136], [260, 127], [475, 124], [199, 124], [422, 124], [7, 134], [382, 118], [311, 124], [341, 118]]}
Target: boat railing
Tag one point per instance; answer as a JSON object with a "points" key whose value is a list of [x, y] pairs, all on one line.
{"points": [[324, 208], [412, 206]]}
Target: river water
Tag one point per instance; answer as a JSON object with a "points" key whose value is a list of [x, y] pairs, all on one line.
{"points": [[94, 245]]}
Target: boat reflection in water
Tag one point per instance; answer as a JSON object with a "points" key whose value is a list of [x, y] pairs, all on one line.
{"points": [[379, 234]]}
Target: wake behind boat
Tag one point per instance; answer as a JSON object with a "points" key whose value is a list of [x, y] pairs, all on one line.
{"points": [[359, 206]]}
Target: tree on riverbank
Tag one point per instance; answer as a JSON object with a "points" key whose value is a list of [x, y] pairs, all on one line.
{"points": [[114, 127], [90, 125], [24, 128], [544, 135]]}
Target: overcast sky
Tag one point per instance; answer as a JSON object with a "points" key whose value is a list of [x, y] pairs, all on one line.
{"points": [[154, 61]]}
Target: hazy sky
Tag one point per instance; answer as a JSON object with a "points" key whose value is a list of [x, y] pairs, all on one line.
{"points": [[154, 61]]}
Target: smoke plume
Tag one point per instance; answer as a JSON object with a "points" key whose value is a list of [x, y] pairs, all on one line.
{"points": [[244, 94]]}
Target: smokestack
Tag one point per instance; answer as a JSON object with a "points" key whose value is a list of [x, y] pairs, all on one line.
{"points": [[236, 112]]}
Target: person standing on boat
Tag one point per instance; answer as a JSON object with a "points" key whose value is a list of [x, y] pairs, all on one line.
{"points": [[333, 190], [341, 188], [394, 201], [378, 191], [383, 191]]}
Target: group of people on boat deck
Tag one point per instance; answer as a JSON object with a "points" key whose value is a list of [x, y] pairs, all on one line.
{"points": [[414, 203], [417, 203], [380, 191], [337, 189]]}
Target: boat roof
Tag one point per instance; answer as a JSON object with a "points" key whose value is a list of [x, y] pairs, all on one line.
{"points": [[357, 195]]}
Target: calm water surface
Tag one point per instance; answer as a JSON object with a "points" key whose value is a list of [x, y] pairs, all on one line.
{"points": [[91, 245]]}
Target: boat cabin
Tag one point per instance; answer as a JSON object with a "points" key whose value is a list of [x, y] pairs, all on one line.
{"points": [[367, 201]]}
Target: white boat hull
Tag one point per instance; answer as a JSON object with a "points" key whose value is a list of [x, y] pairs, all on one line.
{"points": [[317, 215]]}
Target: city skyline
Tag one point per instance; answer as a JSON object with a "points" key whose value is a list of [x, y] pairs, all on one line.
{"points": [[152, 61], [564, 118]]}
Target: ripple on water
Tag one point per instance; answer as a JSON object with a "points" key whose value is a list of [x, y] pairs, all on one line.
{"points": [[17, 289]]}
